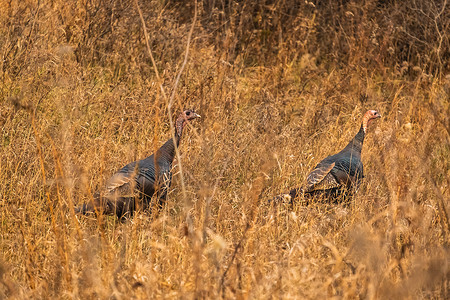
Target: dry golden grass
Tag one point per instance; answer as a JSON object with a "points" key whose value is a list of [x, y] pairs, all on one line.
{"points": [[80, 99]]}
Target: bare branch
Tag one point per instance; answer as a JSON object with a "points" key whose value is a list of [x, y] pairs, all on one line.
{"points": [[169, 102]]}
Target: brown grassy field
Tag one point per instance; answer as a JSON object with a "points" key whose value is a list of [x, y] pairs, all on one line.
{"points": [[280, 85]]}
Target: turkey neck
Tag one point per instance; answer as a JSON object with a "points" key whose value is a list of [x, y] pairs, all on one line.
{"points": [[167, 151], [357, 142]]}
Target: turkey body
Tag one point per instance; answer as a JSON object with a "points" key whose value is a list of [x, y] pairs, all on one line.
{"points": [[338, 174], [341, 170], [139, 180], [135, 184]]}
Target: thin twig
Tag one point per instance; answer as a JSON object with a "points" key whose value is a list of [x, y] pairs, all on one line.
{"points": [[250, 222], [169, 101], [208, 200]]}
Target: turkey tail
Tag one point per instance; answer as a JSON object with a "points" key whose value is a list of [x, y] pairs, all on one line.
{"points": [[84, 209], [122, 207], [92, 207]]}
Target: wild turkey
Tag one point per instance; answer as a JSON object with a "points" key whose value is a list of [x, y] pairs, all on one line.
{"points": [[338, 173], [140, 180]]}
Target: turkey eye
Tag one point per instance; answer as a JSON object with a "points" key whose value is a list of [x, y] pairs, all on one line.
{"points": [[188, 113]]}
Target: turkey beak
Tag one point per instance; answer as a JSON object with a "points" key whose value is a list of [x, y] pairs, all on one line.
{"points": [[197, 115]]}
